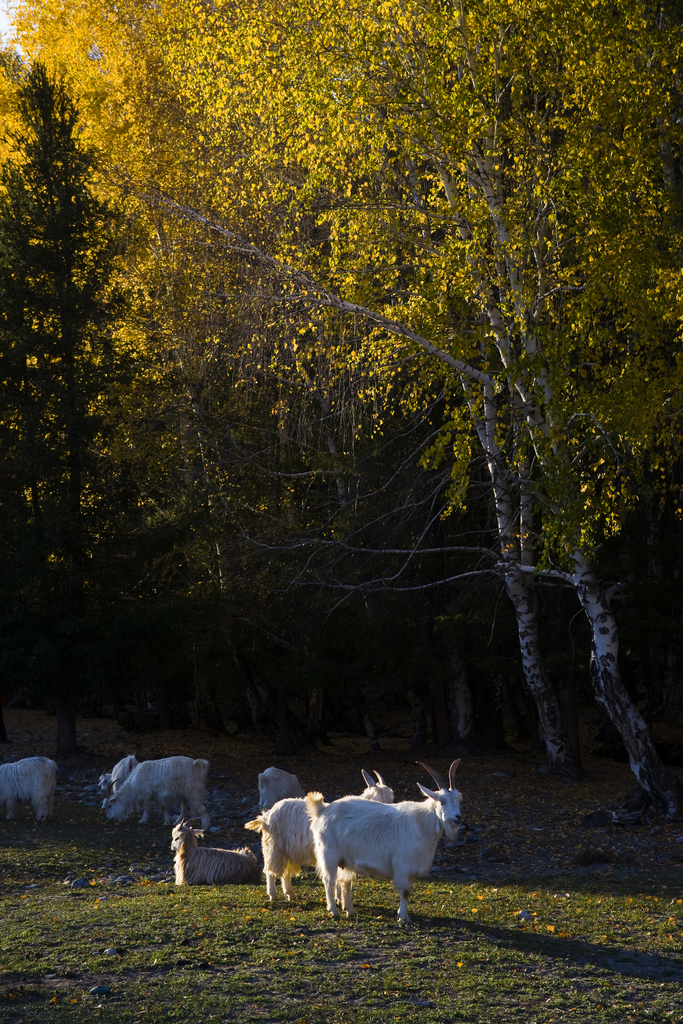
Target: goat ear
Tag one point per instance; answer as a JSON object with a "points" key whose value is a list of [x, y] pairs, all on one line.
{"points": [[429, 792], [380, 780], [369, 781], [438, 779], [451, 772]]}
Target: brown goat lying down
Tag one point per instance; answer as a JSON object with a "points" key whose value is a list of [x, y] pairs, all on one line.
{"points": [[207, 865]]}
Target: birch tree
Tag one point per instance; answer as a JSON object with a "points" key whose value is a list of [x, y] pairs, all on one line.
{"points": [[493, 187]]}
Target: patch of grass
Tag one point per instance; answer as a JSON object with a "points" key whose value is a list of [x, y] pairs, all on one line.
{"points": [[195, 954]]}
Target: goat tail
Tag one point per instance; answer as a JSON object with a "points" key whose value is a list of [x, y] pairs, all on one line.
{"points": [[314, 805], [257, 824]]}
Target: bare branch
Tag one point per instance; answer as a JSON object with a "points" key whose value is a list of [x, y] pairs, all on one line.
{"points": [[315, 294]]}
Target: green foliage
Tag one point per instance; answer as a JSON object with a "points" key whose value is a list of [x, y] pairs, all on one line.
{"points": [[61, 369]]}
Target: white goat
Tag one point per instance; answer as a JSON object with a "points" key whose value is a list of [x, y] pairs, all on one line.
{"points": [[169, 781], [208, 865], [287, 840], [117, 776], [34, 779], [275, 784], [396, 841]]}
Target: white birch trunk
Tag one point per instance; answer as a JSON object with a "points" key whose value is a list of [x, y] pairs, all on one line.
{"points": [[659, 783], [562, 759], [515, 540]]}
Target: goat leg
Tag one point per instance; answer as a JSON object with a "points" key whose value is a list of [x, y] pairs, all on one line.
{"points": [[286, 881], [329, 878], [402, 887], [344, 884]]}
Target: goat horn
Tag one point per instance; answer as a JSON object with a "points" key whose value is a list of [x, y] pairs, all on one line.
{"points": [[369, 781], [379, 778], [110, 788], [451, 772], [438, 779]]}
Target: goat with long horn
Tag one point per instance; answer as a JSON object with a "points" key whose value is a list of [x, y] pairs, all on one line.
{"points": [[396, 841]]}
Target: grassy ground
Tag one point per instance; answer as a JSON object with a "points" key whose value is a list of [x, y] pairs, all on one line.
{"points": [[593, 950]]}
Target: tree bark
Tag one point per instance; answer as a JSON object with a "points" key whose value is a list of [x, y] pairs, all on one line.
{"points": [[256, 710], [522, 593], [659, 783], [519, 726], [315, 726], [459, 699], [441, 729], [369, 726], [291, 733], [417, 706], [283, 721], [516, 547], [573, 719], [164, 706], [207, 712], [66, 729], [489, 717]]}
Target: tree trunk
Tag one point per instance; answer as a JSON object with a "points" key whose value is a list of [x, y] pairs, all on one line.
{"points": [[164, 706], [417, 707], [207, 712], [66, 729], [369, 726], [460, 704], [283, 721], [659, 783], [573, 719], [489, 718], [257, 711], [515, 531], [671, 688], [561, 758], [291, 732], [520, 730], [441, 730], [315, 726], [3, 733]]}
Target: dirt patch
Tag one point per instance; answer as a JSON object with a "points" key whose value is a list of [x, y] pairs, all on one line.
{"points": [[520, 823]]}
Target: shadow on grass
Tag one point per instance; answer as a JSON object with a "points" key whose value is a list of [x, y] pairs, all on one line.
{"points": [[629, 962]]}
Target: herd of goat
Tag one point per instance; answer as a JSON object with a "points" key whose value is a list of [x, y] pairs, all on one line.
{"points": [[367, 834]]}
